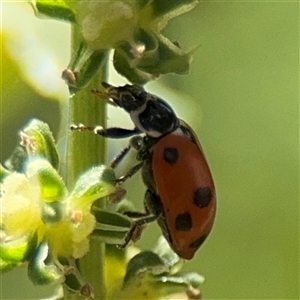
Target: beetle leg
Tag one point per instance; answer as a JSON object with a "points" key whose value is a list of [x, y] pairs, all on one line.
{"points": [[152, 204], [115, 162], [136, 142], [152, 212], [121, 192], [113, 132], [129, 173], [136, 230]]}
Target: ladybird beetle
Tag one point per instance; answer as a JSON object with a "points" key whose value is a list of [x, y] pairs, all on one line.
{"points": [[180, 191]]}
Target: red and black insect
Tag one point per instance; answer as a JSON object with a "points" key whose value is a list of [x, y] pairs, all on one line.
{"points": [[180, 191]]}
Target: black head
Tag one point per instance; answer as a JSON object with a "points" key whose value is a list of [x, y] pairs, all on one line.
{"points": [[150, 114], [128, 97]]}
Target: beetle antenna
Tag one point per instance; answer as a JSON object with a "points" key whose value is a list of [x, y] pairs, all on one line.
{"points": [[104, 96], [106, 85]]}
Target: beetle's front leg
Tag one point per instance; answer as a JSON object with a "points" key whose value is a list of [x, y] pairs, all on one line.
{"points": [[113, 132]]}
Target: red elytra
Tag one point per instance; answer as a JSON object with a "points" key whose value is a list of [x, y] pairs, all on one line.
{"points": [[188, 214]]}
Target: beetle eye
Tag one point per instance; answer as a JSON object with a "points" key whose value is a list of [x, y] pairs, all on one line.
{"points": [[131, 101], [128, 102]]}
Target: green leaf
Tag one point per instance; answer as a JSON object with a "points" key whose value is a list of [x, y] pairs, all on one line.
{"points": [[56, 9], [98, 182], [18, 250], [104, 217], [51, 184], [169, 58], [52, 212], [110, 237], [37, 139], [41, 270], [3, 173], [83, 66], [148, 272], [72, 283], [157, 56], [150, 55], [161, 8], [126, 57], [146, 261], [166, 285], [164, 251], [80, 52], [123, 64], [6, 266], [111, 227], [14, 251], [89, 64], [180, 279]]}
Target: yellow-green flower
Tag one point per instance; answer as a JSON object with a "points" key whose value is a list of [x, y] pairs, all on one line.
{"points": [[36, 208], [132, 28], [20, 206]]}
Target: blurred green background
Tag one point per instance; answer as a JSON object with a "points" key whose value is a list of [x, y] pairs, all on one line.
{"points": [[242, 98]]}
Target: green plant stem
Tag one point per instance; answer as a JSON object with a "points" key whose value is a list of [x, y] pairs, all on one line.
{"points": [[85, 150]]}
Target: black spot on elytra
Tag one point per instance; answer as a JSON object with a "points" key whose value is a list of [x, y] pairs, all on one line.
{"points": [[197, 243], [202, 196], [183, 222], [170, 155]]}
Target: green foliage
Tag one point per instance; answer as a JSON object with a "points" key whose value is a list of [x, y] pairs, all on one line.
{"points": [[40, 220], [56, 9], [42, 271], [133, 30], [37, 141], [83, 66], [157, 276]]}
